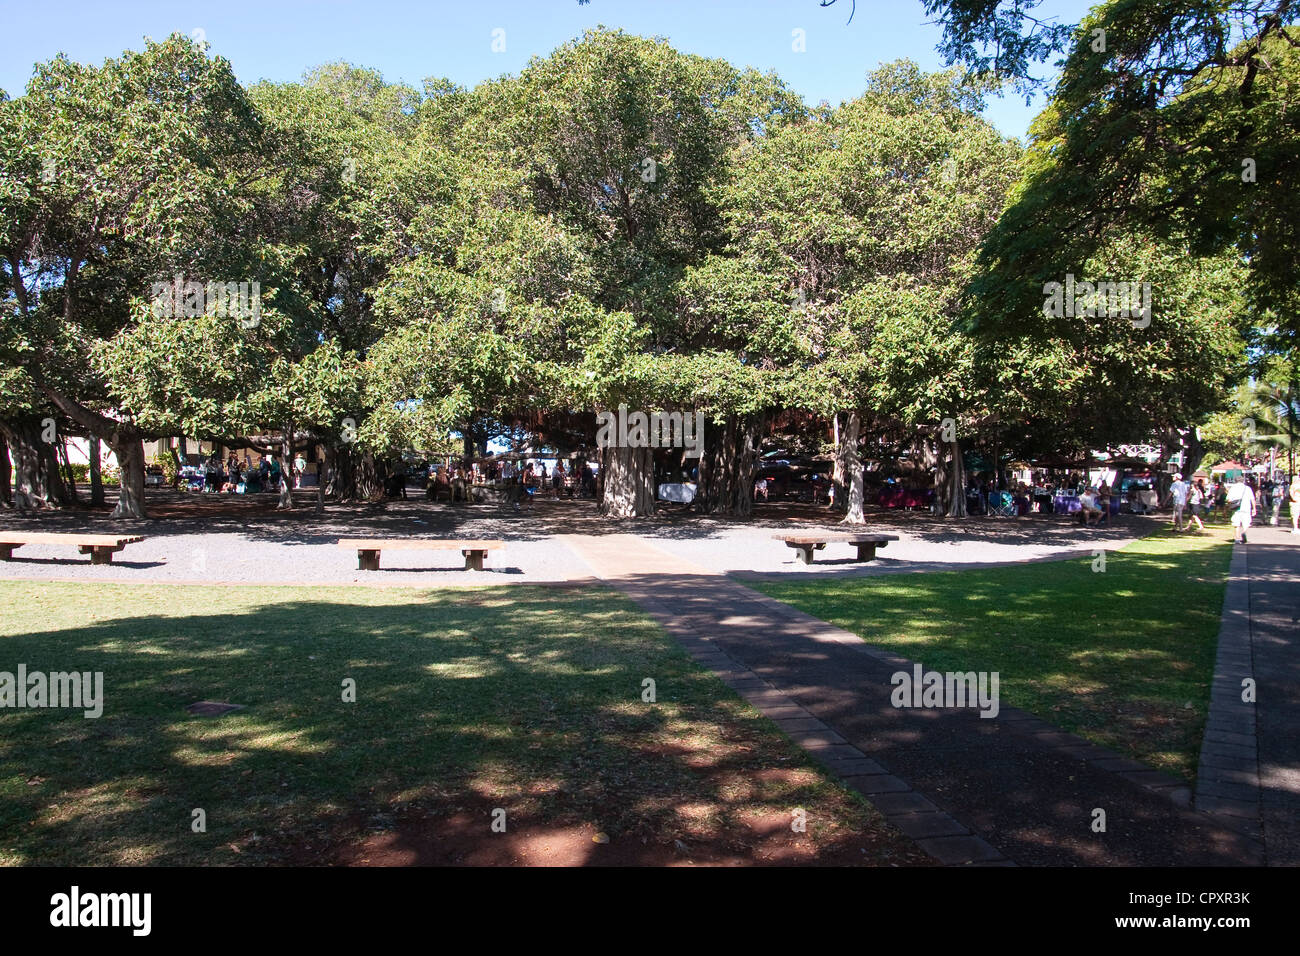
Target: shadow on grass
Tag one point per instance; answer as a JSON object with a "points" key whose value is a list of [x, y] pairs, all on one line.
{"points": [[530, 701], [1124, 655]]}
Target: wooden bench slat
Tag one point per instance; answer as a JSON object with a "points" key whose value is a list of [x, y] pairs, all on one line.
{"points": [[418, 544], [100, 547], [833, 536], [48, 537], [866, 542]]}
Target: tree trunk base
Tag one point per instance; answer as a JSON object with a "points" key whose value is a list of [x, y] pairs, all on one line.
{"points": [[629, 482]]}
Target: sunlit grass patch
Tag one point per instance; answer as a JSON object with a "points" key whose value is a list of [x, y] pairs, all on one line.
{"points": [[1123, 656]]}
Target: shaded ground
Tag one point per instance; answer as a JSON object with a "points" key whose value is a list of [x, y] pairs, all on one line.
{"points": [[458, 838], [523, 699]]}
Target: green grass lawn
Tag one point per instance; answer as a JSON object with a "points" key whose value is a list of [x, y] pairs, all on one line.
{"points": [[1123, 657], [523, 698]]}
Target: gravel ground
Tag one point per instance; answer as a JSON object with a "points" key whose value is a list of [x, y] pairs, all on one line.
{"points": [[244, 540], [924, 544]]}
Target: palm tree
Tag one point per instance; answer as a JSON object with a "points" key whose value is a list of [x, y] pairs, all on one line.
{"points": [[1273, 413]]}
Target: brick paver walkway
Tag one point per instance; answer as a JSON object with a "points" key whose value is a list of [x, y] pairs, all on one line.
{"points": [[1012, 789], [1249, 774]]}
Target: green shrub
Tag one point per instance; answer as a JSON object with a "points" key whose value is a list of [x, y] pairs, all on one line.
{"points": [[168, 466]]}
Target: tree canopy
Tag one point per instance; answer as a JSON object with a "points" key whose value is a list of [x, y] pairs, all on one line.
{"points": [[369, 268]]}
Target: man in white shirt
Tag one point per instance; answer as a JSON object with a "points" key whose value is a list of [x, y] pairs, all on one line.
{"points": [[1242, 517], [1178, 491], [1090, 506]]}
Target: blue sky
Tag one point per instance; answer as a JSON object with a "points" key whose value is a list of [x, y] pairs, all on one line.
{"points": [[279, 39]]}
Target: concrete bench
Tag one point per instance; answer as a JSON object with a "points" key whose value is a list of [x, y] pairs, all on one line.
{"points": [[805, 544], [368, 549], [100, 547]]}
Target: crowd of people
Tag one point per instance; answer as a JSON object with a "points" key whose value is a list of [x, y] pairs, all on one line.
{"points": [[236, 476], [1240, 501], [575, 480], [1191, 502], [985, 496]]}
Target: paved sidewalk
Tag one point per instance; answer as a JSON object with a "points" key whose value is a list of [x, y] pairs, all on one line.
{"points": [[1227, 775], [968, 789], [1261, 613]]}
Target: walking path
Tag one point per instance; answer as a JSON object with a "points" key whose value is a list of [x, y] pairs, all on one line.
{"points": [[1249, 774], [238, 539], [1012, 789]]}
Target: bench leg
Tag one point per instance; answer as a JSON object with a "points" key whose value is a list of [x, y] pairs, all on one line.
{"points": [[805, 554], [98, 555], [866, 552], [474, 560], [7, 551], [367, 560]]}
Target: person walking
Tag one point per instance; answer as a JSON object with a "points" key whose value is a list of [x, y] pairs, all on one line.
{"points": [[1178, 494], [1279, 495], [1221, 498], [1196, 502], [1294, 495], [1207, 496], [1244, 497]]}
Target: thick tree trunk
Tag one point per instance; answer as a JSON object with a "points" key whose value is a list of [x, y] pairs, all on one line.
{"points": [[65, 463], [286, 473], [628, 482], [129, 449], [352, 474], [1164, 478], [96, 473], [324, 468], [123, 438], [176, 462], [36, 479], [60, 492], [930, 454], [6, 492], [954, 471], [726, 484], [334, 467], [30, 488], [852, 462], [839, 481], [1194, 453]]}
